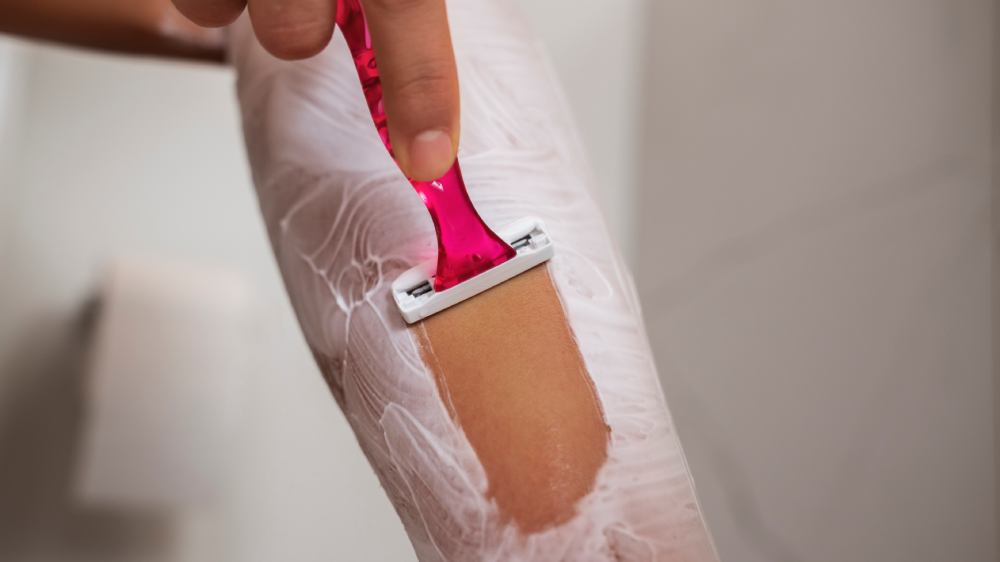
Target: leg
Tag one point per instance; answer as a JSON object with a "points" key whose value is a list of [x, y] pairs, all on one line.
{"points": [[527, 423]]}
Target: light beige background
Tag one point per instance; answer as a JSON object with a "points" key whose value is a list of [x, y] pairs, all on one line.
{"points": [[814, 259], [803, 186]]}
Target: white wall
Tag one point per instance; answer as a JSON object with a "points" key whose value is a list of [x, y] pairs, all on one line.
{"points": [[815, 266], [11, 89]]}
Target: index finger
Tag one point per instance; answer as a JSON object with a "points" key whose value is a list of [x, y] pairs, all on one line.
{"points": [[416, 61]]}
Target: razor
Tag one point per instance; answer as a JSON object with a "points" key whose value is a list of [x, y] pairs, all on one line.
{"points": [[471, 257]]}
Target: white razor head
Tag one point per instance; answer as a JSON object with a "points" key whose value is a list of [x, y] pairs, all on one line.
{"points": [[414, 291]]}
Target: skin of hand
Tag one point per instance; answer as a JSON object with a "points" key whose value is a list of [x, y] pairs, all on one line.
{"points": [[413, 46], [138, 27]]}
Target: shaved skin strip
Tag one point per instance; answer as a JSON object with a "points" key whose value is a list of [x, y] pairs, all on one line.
{"points": [[508, 368]]}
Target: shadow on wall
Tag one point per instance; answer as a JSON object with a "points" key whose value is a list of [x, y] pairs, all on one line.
{"points": [[39, 440]]}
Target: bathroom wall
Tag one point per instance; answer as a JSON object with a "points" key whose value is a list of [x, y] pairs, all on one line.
{"points": [[11, 86], [995, 269], [815, 266]]}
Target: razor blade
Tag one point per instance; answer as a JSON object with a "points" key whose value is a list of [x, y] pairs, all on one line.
{"points": [[414, 290]]}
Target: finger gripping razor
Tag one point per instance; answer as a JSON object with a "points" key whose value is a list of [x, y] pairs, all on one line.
{"points": [[471, 257]]}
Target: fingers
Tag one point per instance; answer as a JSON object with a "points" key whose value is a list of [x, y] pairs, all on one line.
{"points": [[149, 27], [211, 13], [420, 84], [288, 29], [293, 29], [413, 46]]}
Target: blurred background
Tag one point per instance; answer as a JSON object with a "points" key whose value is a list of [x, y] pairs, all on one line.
{"points": [[803, 189]]}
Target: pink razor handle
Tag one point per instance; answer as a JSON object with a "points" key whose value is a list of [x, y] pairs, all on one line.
{"points": [[466, 246]]}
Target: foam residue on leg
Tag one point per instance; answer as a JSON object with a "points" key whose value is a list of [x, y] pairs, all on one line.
{"points": [[344, 223]]}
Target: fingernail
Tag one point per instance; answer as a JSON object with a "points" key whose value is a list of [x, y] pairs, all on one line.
{"points": [[431, 154]]}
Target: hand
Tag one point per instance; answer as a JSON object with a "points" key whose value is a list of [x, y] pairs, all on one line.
{"points": [[139, 27], [412, 44]]}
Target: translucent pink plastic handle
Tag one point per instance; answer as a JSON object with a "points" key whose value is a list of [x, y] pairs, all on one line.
{"points": [[466, 246]]}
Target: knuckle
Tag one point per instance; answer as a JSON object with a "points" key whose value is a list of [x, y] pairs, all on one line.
{"points": [[425, 86], [294, 39]]}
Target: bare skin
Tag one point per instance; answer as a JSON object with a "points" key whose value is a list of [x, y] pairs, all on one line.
{"points": [[411, 40], [510, 373]]}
